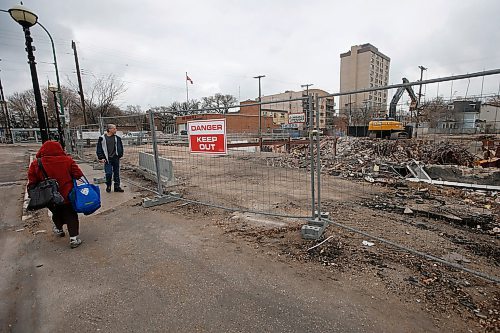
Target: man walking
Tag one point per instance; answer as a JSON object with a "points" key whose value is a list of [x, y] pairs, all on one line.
{"points": [[109, 152]]}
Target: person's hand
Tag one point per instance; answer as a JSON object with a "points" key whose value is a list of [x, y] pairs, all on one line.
{"points": [[103, 160]]}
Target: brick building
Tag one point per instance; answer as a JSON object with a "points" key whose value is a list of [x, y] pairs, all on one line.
{"points": [[236, 122]]}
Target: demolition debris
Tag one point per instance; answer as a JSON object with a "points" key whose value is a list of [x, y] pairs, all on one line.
{"points": [[371, 159]]}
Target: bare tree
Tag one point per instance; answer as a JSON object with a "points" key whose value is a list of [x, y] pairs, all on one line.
{"points": [[133, 109], [137, 117], [435, 111], [219, 102], [360, 116], [166, 117], [22, 109], [183, 108], [100, 97]]}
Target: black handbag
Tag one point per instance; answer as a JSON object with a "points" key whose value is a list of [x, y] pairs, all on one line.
{"points": [[45, 193]]}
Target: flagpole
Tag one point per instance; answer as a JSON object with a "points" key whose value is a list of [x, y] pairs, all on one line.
{"points": [[187, 91]]}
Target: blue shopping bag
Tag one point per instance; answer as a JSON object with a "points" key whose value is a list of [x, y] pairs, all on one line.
{"points": [[85, 197]]}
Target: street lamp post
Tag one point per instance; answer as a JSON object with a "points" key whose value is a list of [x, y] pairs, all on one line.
{"points": [[61, 105], [27, 19], [54, 90], [45, 105]]}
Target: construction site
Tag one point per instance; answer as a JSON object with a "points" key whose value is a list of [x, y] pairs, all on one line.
{"points": [[414, 216], [243, 167]]}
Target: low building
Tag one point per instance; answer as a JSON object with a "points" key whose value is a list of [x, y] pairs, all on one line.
{"points": [[462, 117], [281, 105], [235, 122], [489, 118], [249, 107]]}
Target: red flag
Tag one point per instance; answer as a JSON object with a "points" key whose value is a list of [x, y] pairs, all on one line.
{"points": [[189, 79]]}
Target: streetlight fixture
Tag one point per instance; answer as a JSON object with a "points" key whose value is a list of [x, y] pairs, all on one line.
{"points": [[54, 91], [27, 19]]}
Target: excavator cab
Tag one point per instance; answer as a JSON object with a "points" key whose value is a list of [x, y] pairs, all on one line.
{"points": [[389, 128]]}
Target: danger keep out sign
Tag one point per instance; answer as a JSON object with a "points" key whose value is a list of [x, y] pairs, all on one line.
{"points": [[207, 137]]}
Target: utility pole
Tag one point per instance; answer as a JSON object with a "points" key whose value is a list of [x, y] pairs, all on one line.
{"points": [[422, 69], [8, 133], [307, 94], [350, 110], [307, 87], [260, 110], [80, 92]]}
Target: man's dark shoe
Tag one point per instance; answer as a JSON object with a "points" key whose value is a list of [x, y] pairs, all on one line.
{"points": [[119, 189], [108, 189]]}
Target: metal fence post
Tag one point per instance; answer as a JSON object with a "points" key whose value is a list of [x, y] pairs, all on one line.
{"points": [[318, 156], [155, 151], [311, 152], [101, 125]]}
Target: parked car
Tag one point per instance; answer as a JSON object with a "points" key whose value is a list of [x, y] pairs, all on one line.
{"points": [[135, 135]]}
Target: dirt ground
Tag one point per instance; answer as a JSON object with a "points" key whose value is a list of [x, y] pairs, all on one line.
{"points": [[459, 226], [447, 294]]}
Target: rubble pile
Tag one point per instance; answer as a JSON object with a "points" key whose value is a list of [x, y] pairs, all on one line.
{"points": [[350, 156]]}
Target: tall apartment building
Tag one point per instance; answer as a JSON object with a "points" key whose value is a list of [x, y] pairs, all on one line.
{"points": [[364, 66], [326, 114]]}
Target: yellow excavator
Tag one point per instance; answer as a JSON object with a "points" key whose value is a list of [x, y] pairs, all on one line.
{"points": [[389, 127]]}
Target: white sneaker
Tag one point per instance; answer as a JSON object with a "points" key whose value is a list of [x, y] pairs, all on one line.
{"points": [[75, 242], [58, 232]]}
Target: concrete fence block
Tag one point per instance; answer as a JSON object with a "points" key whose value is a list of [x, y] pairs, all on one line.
{"points": [[147, 162]]}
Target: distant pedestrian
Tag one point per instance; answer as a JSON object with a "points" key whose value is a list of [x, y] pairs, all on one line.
{"points": [[64, 169], [109, 151]]}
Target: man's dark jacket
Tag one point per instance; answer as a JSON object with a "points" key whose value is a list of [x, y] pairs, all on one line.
{"points": [[102, 149]]}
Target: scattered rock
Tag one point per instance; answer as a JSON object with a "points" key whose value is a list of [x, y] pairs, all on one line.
{"points": [[408, 211]]}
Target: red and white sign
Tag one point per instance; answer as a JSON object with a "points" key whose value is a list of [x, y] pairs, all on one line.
{"points": [[296, 118], [207, 136]]}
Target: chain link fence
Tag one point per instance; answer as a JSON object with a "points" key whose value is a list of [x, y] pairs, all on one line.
{"points": [[413, 175], [419, 176]]}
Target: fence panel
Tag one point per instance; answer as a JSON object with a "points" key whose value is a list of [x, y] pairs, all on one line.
{"points": [[365, 181], [254, 176]]}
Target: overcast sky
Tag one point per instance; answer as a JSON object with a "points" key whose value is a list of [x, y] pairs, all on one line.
{"points": [[150, 44]]}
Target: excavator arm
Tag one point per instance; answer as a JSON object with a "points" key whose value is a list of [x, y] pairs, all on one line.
{"points": [[397, 97]]}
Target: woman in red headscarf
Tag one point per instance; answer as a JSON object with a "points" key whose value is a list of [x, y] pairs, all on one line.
{"points": [[64, 169]]}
